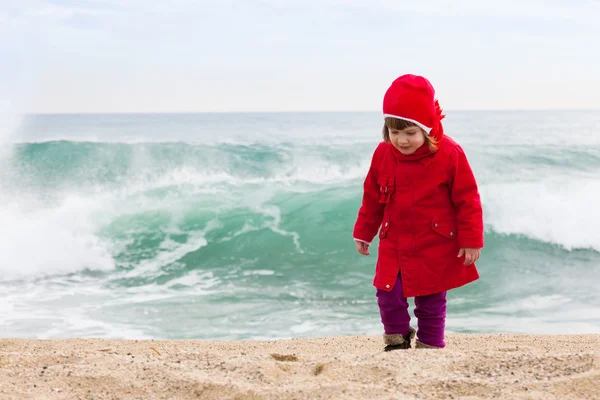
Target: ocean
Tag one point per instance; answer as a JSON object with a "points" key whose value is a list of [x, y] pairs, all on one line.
{"points": [[239, 225]]}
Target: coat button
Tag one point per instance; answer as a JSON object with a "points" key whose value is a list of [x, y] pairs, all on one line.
{"points": [[451, 233], [435, 225], [387, 286]]}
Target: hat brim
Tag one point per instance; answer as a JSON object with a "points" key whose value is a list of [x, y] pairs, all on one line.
{"points": [[420, 125]]}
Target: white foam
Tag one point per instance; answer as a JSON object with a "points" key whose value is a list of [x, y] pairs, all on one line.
{"points": [[325, 138], [511, 323], [260, 272], [256, 202], [304, 327], [532, 314], [60, 234], [77, 323], [303, 172], [247, 228], [196, 279], [167, 256], [557, 210], [50, 240], [315, 170], [534, 303]]}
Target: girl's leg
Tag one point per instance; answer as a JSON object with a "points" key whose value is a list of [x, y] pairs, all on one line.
{"points": [[393, 308], [431, 313]]}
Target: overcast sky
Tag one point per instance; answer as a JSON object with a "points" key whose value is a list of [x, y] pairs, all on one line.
{"points": [[278, 55]]}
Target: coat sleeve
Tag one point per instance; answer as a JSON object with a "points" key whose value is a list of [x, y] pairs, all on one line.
{"points": [[466, 199], [370, 213]]}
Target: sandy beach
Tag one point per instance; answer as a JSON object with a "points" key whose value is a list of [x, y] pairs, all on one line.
{"points": [[471, 367]]}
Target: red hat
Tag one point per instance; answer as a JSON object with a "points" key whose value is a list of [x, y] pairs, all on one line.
{"points": [[412, 98]]}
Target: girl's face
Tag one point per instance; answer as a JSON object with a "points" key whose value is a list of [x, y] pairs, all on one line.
{"points": [[407, 140]]}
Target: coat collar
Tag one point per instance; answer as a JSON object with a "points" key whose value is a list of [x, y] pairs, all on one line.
{"points": [[423, 155]]}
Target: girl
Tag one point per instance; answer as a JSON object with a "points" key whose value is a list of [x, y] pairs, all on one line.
{"points": [[421, 192]]}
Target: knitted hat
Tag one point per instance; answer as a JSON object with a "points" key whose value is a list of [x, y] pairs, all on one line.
{"points": [[412, 98]]}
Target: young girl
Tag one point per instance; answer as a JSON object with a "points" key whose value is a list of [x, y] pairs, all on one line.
{"points": [[421, 192]]}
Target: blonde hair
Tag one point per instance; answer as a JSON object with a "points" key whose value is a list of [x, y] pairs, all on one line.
{"points": [[399, 124]]}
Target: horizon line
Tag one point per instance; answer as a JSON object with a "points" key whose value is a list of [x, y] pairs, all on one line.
{"points": [[290, 111]]}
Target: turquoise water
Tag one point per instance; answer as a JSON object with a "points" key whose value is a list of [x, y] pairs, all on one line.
{"points": [[236, 226]]}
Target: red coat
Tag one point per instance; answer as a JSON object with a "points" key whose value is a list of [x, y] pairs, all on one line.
{"points": [[427, 208]]}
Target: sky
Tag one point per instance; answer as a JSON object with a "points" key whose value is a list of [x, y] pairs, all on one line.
{"points": [[100, 56]]}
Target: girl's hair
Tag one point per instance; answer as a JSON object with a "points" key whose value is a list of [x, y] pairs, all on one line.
{"points": [[396, 123]]}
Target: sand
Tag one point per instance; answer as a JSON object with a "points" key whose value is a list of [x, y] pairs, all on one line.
{"points": [[471, 367]]}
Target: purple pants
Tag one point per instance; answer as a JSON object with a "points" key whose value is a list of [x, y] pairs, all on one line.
{"points": [[430, 312]]}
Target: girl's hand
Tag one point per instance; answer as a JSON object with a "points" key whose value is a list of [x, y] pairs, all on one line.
{"points": [[362, 247], [471, 255]]}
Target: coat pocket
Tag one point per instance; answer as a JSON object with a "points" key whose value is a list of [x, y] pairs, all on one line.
{"points": [[385, 226], [386, 188], [445, 227]]}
